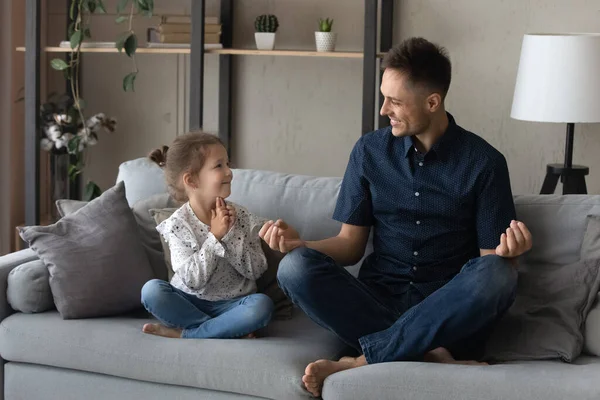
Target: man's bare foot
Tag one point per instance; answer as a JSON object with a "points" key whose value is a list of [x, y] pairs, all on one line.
{"points": [[316, 372], [443, 356], [161, 330]]}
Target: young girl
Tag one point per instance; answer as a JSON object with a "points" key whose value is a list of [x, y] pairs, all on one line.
{"points": [[215, 249]]}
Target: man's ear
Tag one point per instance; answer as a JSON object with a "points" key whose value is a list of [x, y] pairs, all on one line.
{"points": [[434, 102]]}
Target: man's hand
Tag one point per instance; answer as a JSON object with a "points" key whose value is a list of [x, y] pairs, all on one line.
{"points": [[220, 220], [516, 241], [280, 236]]}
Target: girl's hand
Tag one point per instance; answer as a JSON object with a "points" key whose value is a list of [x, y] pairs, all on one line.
{"points": [[219, 219], [232, 216]]}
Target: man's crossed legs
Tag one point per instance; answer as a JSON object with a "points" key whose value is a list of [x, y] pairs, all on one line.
{"points": [[460, 312]]}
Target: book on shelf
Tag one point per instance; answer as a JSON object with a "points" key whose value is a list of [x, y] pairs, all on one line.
{"points": [[186, 19], [187, 28], [154, 36], [210, 38]]}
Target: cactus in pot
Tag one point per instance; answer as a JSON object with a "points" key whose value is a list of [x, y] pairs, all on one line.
{"points": [[265, 27]]}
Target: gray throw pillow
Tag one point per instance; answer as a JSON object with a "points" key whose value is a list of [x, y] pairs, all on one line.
{"points": [[66, 206], [266, 284], [159, 216], [592, 330], [147, 227], [96, 261], [28, 288], [590, 246], [547, 319], [590, 249]]}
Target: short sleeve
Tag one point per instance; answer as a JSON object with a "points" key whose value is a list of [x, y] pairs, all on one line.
{"points": [[354, 200], [495, 208]]}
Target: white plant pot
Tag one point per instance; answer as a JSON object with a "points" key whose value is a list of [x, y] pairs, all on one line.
{"points": [[264, 40], [325, 41]]}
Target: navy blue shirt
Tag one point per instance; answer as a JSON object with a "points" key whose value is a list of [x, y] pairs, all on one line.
{"points": [[431, 213]]}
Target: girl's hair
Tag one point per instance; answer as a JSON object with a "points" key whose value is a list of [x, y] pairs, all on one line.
{"points": [[187, 154]]}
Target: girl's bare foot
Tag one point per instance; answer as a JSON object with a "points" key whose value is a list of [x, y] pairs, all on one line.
{"points": [[443, 356], [161, 330], [316, 372]]}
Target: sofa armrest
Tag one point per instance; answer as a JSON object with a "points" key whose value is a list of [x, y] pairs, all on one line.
{"points": [[7, 264]]}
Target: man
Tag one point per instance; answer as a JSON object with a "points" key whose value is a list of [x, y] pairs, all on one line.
{"points": [[445, 240]]}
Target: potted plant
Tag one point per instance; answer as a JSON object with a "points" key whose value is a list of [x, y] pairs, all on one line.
{"points": [[66, 137], [324, 37], [265, 27]]}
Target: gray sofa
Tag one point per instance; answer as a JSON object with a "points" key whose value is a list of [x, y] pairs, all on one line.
{"points": [[46, 357]]}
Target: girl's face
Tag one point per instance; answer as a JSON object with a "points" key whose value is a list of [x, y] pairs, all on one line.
{"points": [[214, 179]]}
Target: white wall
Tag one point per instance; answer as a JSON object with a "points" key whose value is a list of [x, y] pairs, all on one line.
{"points": [[484, 41], [303, 115]]}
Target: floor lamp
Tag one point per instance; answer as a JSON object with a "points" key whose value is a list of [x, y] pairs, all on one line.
{"points": [[559, 81]]}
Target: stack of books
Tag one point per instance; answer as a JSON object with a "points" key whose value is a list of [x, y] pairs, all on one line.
{"points": [[177, 30]]}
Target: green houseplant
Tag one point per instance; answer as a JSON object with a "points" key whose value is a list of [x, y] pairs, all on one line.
{"points": [[265, 27], [74, 133], [324, 38]]}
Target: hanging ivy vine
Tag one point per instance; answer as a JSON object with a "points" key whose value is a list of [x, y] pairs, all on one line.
{"points": [[80, 12]]}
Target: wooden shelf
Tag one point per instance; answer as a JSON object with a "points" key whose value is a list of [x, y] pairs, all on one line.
{"points": [[242, 52], [289, 53]]}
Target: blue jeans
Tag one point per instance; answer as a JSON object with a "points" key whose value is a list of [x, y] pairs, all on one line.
{"points": [[202, 319], [459, 316]]}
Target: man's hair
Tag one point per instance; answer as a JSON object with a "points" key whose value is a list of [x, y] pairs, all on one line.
{"points": [[424, 64]]}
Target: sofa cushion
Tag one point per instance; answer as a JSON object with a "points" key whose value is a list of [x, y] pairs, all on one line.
{"points": [[530, 380], [547, 318], [270, 366], [159, 215], [147, 227], [590, 249], [38, 382], [590, 246], [305, 202], [28, 288], [592, 330], [68, 206], [142, 179], [557, 224], [96, 261]]}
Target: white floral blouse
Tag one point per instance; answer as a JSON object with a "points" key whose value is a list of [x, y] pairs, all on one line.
{"points": [[211, 269]]}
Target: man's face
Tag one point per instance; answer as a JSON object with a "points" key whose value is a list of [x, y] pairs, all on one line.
{"points": [[404, 104]]}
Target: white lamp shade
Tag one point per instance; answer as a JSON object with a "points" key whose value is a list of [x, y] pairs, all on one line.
{"points": [[558, 79]]}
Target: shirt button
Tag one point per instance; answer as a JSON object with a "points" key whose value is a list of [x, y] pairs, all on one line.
{"points": [[417, 194], [418, 222], [420, 164], [414, 268], [411, 282], [416, 253]]}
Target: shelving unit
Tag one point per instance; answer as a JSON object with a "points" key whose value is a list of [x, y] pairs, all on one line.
{"points": [[239, 52], [373, 27]]}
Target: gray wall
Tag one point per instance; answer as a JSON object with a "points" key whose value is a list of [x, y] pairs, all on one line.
{"points": [[302, 115]]}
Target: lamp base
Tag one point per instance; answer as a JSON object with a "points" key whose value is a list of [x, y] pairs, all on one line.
{"points": [[573, 179]]}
